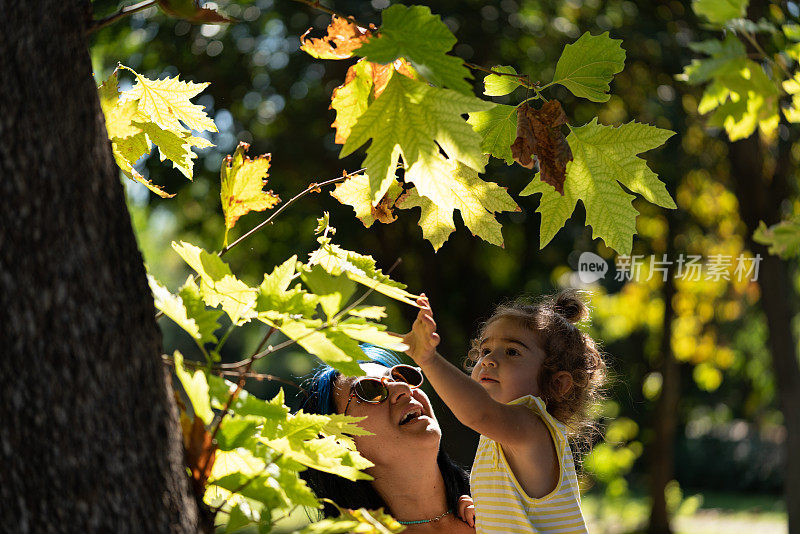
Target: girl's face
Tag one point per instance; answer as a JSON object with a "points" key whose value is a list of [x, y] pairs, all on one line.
{"points": [[397, 440], [509, 360]]}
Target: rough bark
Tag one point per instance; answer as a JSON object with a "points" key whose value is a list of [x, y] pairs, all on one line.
{"points": [[89, 440], [761, 189], [665, 422]]}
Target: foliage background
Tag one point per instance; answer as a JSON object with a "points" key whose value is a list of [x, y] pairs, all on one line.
{"points": [[266, 92]]}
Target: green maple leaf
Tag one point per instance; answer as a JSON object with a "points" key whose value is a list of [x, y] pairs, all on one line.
{"points": [[166, 102], [328, 344], [356, 192], [171, 145], [196, 387], [242, 183], [351, 99], [741, 95], [359, 268], [587, 66], [246, 404], [173, 307], [498, 129], [373, 333], [604, 158], [187, 310], [782, 238], [409, 119], [496, 85], [218, 286], [720, 11], [207, 320], [324, 454], [422, 38], [333, 292], [475, 199], [276, 302]]}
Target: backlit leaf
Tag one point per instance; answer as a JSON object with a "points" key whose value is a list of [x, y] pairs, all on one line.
{"points": [[359, 521], [782, 238], [720, 11], [409, 119], [497, 128], [167, 103], [587, 66], [539, 137], [497, 85], [218, 286], [242, 191], [605, 157], [196, 387], [422, 38], [475, 199], [355, 192], [342, 38]]}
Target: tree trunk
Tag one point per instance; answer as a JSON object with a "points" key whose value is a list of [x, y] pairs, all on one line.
{"points": [[761, 192], [662, 448], [90, 441]]}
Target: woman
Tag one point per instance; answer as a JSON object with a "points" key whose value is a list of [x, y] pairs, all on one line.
{"points": [[414, 479]]}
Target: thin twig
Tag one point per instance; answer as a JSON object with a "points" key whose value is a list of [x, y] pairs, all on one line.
{"points": [[239, 386], [257, 376], [311, 188], [123, 12]]}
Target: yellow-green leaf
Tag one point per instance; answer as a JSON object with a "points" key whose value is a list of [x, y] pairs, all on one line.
{"points": [[587, 66], [243, 180], [476, 200], [218, 285], [196, 387], [355, 192], [166, 102]]}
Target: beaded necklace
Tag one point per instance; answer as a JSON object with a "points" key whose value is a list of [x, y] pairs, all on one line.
{"points": [[432, 520]]}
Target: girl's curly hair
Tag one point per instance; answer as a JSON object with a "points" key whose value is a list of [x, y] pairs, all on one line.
{"points": [[552, 320]]}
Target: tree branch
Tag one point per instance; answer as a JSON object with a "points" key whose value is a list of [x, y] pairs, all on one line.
{"points": [[316, 5], [123, 12]]}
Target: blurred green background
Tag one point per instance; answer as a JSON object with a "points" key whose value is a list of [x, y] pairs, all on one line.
{"points": [[728, 444]]}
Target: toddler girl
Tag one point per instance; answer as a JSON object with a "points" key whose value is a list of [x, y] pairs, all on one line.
{"points": [[533, 377]]}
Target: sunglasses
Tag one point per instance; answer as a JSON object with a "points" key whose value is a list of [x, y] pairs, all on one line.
{"points": [[373, 390]]}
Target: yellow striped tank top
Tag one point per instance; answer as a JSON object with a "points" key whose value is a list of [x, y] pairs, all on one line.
{"points": [[502, 506]]}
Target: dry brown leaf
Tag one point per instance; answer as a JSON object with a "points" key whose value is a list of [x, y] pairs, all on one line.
{"points": [[539, 136], [344, 36]]}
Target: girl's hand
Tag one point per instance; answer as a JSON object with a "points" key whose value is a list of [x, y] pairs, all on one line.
{"points": [[466, 510], [423, 339]]}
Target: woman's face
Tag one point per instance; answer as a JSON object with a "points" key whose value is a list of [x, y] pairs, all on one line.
{"points": [[394, 441]]}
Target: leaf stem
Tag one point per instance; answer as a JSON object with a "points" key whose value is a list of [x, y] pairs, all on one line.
{"points": [[311, 188], [123, 12]]}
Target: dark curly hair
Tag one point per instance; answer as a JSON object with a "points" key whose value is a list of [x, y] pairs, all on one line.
{"points": [[552, 320]]}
